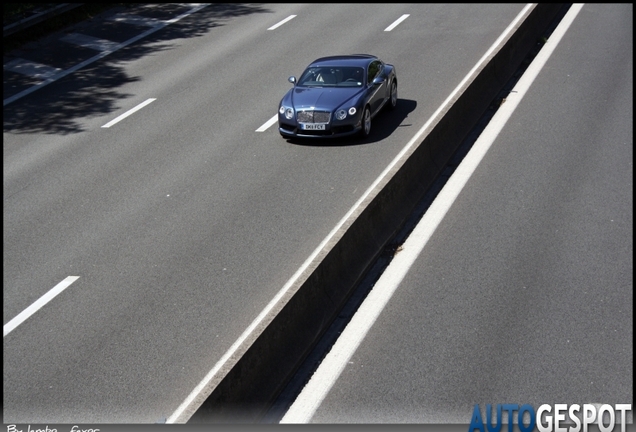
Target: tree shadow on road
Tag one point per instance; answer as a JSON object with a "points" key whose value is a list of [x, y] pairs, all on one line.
{"points": [[95, 90]]}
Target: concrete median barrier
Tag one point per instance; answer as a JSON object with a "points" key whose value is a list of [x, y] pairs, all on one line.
{"points": [[260, 368]]}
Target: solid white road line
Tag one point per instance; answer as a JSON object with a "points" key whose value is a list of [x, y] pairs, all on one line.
{"points": [[334, 363], [22, 316], [267, 124], [397, 22], [129, 112], [31, 69], [275, 26]]}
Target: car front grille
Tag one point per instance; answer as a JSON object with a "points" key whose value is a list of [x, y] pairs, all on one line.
{"points": [[313, 116]]}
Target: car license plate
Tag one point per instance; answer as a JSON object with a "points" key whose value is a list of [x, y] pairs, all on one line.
{"points": [[312, 126]]}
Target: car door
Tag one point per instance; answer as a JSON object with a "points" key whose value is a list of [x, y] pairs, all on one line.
{"points": [[377, 90]]}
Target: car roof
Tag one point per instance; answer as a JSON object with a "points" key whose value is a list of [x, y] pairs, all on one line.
{"points": [[344, 60]]}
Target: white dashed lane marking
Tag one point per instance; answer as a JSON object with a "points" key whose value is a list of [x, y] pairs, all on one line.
{"points": [[38, 304], [267, 124], [129, 112], [396, 23], [136, 20], [275, 26], [90, 42], [31, 68]]}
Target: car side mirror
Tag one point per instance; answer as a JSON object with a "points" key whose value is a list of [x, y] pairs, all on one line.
{"points": [[292, 79], [378, 80]]}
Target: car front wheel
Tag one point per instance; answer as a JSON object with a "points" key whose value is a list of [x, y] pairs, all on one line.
{"points": [[366, 123], [393, 96]]}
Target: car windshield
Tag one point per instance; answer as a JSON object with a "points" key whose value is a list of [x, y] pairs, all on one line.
{"points": [[333, 76]]}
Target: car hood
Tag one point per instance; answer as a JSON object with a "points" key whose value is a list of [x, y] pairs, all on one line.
{"points": [[327, 98]]}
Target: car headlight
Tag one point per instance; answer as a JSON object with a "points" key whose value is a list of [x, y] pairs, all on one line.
{"points": [[288, 112], [341, 114], [352, 110]]}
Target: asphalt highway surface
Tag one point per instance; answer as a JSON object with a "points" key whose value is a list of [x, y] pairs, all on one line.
{"points": [[142, 173]]}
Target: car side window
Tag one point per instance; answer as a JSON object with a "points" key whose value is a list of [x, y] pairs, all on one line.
{"points": [[374, 69]]}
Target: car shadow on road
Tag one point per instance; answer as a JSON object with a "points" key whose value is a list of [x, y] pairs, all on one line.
{"points": [[382, 126]]}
